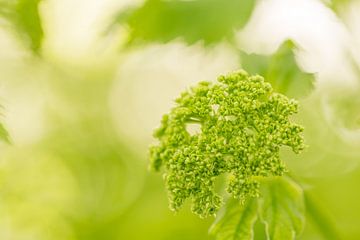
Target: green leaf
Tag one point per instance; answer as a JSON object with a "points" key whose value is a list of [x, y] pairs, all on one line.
{"points": [[4, 135], [281, 70], [282, 209], [236, 221], [24, 18], [207, 20], [337, 5]]}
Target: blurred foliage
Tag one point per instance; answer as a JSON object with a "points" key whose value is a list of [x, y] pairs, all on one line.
{"points": [[344, 111], [199, 20], [36, 189], [329, 151], [4, 135], [338, 198], [107, 175], [337, 5], [281, 70], [320, 217], [81, 180], [24, 19]]}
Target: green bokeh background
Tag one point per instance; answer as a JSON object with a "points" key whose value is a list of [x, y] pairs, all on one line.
{"points": [[79, 109]]}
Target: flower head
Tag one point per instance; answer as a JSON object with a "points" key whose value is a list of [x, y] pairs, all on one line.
{"points": [[241, 125]]}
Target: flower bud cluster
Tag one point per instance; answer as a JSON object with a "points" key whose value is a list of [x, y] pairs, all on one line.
{"points": [[242, 123]]}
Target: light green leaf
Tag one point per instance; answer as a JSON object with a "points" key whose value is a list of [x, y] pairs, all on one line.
{"points": [[338, 5], [281, 70], [282, 209], [206, 20], [236, 222], [24, 18], [4, 135]]}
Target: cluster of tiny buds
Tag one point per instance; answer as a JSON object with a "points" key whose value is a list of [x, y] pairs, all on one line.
{"points": [[241, 125]]}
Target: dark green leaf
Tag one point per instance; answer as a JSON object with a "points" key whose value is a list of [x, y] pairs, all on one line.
{"points": [[207, 20], [281, 70]]}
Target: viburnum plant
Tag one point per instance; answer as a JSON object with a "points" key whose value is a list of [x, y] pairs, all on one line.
{"points": [[241, 126]]}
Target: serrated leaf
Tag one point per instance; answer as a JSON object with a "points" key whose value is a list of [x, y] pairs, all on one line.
{"points": [[24, 18], [281, 70], [207, 20], [282, 209], [236, 221]]}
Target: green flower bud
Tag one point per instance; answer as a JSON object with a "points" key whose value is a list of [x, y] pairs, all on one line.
{"points": [[242, 125]]}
